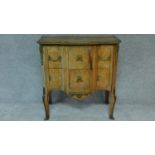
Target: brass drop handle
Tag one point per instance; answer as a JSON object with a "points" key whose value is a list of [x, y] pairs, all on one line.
{"points": [[79, 79], [104, 59], [79, 95], [79, 58], [54, 60]]}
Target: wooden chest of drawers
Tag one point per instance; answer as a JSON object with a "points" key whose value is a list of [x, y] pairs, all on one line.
{"points": [[79, 65]]}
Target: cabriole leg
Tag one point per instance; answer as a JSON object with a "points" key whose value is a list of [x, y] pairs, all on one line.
{"points": [[112, 98], [46, 103]]}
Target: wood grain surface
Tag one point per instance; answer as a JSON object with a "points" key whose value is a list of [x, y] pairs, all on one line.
{"points": [[80, 65]]}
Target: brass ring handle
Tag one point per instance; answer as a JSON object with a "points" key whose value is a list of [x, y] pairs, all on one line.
{"points": [[54, 60], [79, 79], [79, 58], [104, 59]]}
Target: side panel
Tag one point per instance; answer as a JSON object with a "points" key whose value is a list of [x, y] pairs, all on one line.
{"points": [[105, 57]]}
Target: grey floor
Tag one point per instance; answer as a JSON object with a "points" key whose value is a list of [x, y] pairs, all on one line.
{"points": [[66, 109]]}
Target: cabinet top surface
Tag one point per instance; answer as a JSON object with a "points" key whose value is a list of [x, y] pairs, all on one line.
{"points": [[80, 39]]}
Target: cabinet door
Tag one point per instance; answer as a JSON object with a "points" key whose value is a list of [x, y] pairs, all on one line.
{"points": [[80, 57], [55, 56], [80, 80]]}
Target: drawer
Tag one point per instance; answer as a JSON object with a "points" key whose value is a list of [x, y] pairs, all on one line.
{"points": [[55, 78], [103, 79], [79, 80], [104, 56], [55, 56], [80, 57]]}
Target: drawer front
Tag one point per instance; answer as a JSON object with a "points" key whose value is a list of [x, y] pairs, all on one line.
{"points": [[104, 56], [79, 57], [103, 79], [55, 78], [55, 57], [79, 80]]}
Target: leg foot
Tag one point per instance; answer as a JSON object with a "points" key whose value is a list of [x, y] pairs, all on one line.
{"points": [[46, 104], [47, 117], [111, 117], [112, 105]]}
